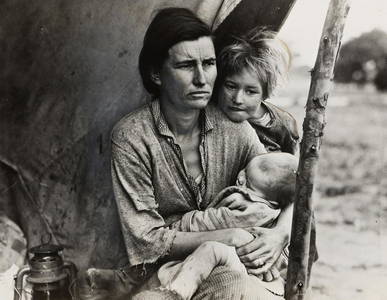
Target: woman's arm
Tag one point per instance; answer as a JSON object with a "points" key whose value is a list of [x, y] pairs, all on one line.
{"points": [[186, 242], [261, 253]]}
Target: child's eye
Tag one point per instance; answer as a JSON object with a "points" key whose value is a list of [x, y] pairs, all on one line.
{"points": [[252, 92], [230, 85]]}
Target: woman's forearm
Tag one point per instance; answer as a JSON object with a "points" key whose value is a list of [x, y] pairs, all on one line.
{"points": [[284, 222], [186, 242]]}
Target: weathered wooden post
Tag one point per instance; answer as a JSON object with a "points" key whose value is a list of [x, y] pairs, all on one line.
{"points": [[313, 129]]}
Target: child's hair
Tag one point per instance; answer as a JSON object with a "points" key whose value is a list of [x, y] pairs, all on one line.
{"points": [[274, 174], [260, 51]]}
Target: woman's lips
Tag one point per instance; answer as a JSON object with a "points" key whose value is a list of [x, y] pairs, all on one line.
{"points": [[199, 94]]}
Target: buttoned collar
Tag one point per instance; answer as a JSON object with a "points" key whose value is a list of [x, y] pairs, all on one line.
{"points": [[162, 125]]}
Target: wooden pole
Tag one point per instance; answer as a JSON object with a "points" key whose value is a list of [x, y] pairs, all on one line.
{"points": [[313, 129]]}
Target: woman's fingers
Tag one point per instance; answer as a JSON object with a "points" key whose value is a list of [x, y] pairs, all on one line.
{"points": [[255, 230], [268, 276], [261, 254], [256, 263], [258, 271], [274, 271], [235, 205], [254, 246], [225, 202], [234, 201], [252, 272]]}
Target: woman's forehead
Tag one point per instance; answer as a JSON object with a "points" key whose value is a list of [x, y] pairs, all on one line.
{"points": [[202, 48]]}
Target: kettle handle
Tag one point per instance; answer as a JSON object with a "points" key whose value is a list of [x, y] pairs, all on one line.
{"points": [[73, 286], [19, 282]]}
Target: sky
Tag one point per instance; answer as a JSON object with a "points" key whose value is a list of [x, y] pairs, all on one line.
{"points": [[302, 30]]}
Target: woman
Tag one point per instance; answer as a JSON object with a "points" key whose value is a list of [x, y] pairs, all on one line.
{"points": [[175, 154]]}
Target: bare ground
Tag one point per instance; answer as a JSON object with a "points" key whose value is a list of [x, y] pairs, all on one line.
{"points": [[350, 200]]}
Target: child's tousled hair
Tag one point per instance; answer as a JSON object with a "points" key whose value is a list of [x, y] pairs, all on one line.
{"points": [[261, 52]]}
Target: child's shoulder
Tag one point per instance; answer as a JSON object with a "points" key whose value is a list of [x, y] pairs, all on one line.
{"points": [[279, 112], [282, 118]]}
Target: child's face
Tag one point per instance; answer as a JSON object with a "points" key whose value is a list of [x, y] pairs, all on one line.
{"points": [[241, 95]]}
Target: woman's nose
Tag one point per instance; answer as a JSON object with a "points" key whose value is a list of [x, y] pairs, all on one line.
{"points": [[199, 76]]}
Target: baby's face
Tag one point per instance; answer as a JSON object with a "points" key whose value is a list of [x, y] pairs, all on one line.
{"points": [[250, 178]]}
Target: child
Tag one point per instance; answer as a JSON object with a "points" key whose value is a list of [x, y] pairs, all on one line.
{"points": [[266, 185], [250, 69]]}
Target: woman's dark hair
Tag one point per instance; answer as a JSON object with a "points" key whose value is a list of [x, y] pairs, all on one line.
{"points": [[169, 27], [261, 52]]}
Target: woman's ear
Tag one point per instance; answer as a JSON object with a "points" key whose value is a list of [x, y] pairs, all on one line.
{"points": [[156, 77]]}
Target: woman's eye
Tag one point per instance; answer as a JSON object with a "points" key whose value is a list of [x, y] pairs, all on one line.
{"points": [[184, 66], [210, 62]]}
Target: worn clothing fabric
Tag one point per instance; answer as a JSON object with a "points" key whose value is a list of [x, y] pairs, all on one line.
{"points": [[260, 212], [281, 134], [151, 184], [221, 284]]}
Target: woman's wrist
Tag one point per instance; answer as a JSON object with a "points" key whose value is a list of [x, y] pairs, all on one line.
{"points": [[239, 237], [283, 231]]}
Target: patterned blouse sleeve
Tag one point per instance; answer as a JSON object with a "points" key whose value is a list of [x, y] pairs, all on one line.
{"points": [[251, 140], [146, 237]]}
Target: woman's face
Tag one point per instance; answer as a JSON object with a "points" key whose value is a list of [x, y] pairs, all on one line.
{"points": [[241, 95], [187, 76]]}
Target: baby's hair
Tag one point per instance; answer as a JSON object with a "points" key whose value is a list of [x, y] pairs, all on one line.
{"points": [[261, 52], [279, 171]]}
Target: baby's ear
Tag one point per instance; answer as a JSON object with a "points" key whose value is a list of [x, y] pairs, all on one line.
{"points": [[241, 179], [155, 75]]}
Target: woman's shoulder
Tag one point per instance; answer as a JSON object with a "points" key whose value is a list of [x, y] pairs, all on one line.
{"points": [[223, 123], [132, 125]]}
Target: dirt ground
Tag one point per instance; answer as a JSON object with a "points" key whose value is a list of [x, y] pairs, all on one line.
{"points": [[353, 261], [351, 198]]}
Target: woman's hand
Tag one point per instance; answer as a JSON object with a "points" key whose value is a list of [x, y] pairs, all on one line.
{"points": [[240, 237], [235, 201], [259, 255]]}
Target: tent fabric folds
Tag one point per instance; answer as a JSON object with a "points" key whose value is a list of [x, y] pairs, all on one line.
{"points": [[69, 73]]}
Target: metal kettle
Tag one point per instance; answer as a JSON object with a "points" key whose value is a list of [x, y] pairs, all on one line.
{"points": [[51, 277]]}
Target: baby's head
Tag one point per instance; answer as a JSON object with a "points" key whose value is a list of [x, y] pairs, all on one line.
{"points": [[273, 176]]}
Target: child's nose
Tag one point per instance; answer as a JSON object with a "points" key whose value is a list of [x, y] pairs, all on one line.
{"points": [[238, 97]]}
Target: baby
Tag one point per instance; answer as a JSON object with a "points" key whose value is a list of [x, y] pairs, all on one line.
{"points": [[266, 185]]}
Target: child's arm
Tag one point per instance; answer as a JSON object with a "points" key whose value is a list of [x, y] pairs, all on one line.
{"points": [[185, 277]]}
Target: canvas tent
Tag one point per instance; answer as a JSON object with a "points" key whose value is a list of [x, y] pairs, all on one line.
{"points": [[68, 74]]}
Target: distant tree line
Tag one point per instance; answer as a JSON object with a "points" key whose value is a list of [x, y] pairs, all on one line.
{"points": [[363, 60]]}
